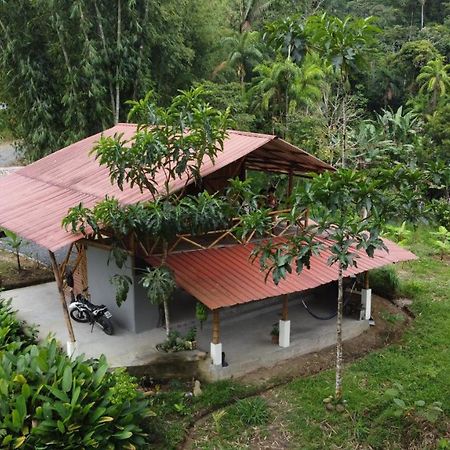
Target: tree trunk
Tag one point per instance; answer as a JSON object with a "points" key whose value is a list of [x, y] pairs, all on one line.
{"points": [[119, 26], [338, 392], [422, 13], [105, 51], [165, 246], [344, 128], [19, 267], [141, 51]]}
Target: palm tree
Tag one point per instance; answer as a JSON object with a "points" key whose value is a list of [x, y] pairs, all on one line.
{"points": [[251, 10], [434, 79], [284, 86], [243, 53]]}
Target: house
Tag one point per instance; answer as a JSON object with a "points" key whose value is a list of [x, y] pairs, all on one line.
{"points": [[213, 269]]}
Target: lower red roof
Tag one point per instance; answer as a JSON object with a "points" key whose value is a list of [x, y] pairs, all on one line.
{"points": [[221, 277]]}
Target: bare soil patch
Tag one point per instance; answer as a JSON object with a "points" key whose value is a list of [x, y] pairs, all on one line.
{"points": [[32, 272]]}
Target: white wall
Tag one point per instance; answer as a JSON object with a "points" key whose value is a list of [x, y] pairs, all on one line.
{"points": [[136, 313]]}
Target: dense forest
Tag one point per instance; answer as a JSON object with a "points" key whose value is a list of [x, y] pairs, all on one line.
{"points": [[354, 82]]}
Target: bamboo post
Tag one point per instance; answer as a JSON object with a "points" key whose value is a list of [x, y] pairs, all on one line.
{"points": [[62, 297], [284, 313], [366, 279], [216, 327], [284, 326], [290, 182]]}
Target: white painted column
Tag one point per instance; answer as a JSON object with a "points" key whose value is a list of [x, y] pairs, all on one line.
{"points": [[366, 304], [216, 345], [285, 333], [216, 354]]}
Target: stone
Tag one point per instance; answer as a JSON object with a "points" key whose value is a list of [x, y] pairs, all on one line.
{"points": [[197, 389], [329, 406]]}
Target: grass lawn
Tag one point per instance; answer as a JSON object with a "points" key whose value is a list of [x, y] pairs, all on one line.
{"points": [[397, 397]]}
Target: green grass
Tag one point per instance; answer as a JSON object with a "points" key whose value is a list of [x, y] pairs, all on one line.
{"points": [[419, 365]]}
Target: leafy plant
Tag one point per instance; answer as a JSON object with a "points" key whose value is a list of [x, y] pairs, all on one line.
{"points": [[385, 282], [175, 342], [399, 233], [201, 313], [124, 387], [48, 400], [442, 241], [14, 334], [402, 408], [275, 330], [251, 411], [14, 242], [122, 285]]}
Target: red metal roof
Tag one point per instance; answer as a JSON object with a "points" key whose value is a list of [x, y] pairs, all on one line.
{"points": [[35, 199], [222, 277]]}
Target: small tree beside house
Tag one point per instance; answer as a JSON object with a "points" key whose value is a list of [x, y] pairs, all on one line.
{"points": [[349, 210], [168, 149]]}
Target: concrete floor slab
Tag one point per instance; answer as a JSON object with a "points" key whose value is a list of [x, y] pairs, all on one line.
{"points": [[246, 338]]}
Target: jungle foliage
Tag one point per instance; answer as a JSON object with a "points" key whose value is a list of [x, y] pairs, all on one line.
{"points": [[321, 74]]}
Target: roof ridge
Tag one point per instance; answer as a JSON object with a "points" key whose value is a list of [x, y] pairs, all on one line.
{"points": [[252, 134]]}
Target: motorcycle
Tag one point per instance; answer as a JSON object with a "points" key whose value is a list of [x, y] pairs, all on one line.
{"points": [[82, 310]]}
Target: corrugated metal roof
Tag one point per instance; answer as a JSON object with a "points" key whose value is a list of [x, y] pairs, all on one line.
{"points": [[222, 277], [35, 199]]}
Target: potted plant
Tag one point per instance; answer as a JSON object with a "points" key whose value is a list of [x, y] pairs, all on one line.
{"points": [[275, 333], [191, 341]]}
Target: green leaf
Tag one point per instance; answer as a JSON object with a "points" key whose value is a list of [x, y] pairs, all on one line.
{"points": [[123, 435], [19, 441], [60, 426], [67, 379], [400, 403]]}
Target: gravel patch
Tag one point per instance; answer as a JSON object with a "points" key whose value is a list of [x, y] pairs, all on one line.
{"points": [[8, 155]]}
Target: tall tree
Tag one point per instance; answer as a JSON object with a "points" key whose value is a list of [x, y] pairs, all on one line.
{"points": [[250, 11], [160, 154], [434, 80], [282, 87], [244, 53], [349, 209], [66, 67], [347, 44]]}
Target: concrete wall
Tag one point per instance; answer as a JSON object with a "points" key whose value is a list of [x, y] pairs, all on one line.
{"points": [[146, 314], [103, 292], [136, 313]]}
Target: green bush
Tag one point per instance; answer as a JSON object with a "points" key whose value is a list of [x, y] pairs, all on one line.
{"points": [[440, 212], [385, 282], [14, 334], [250, 411], [48, 400]]}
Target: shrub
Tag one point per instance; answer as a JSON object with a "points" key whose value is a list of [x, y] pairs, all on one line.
{"points": [[14, 334], [251, 411], [48, 400], [385, 282], [440, 212]]}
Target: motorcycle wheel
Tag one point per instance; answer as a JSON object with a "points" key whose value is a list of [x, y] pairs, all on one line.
{"points": [[106, 325], [79, 316]]}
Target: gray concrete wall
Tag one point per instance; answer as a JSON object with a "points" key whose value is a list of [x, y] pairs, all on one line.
{"points": [[146, 314], [103, 292], [136, 314]]}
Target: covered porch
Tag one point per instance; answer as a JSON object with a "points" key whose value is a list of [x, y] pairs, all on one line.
{"points": [[244, 332]]}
